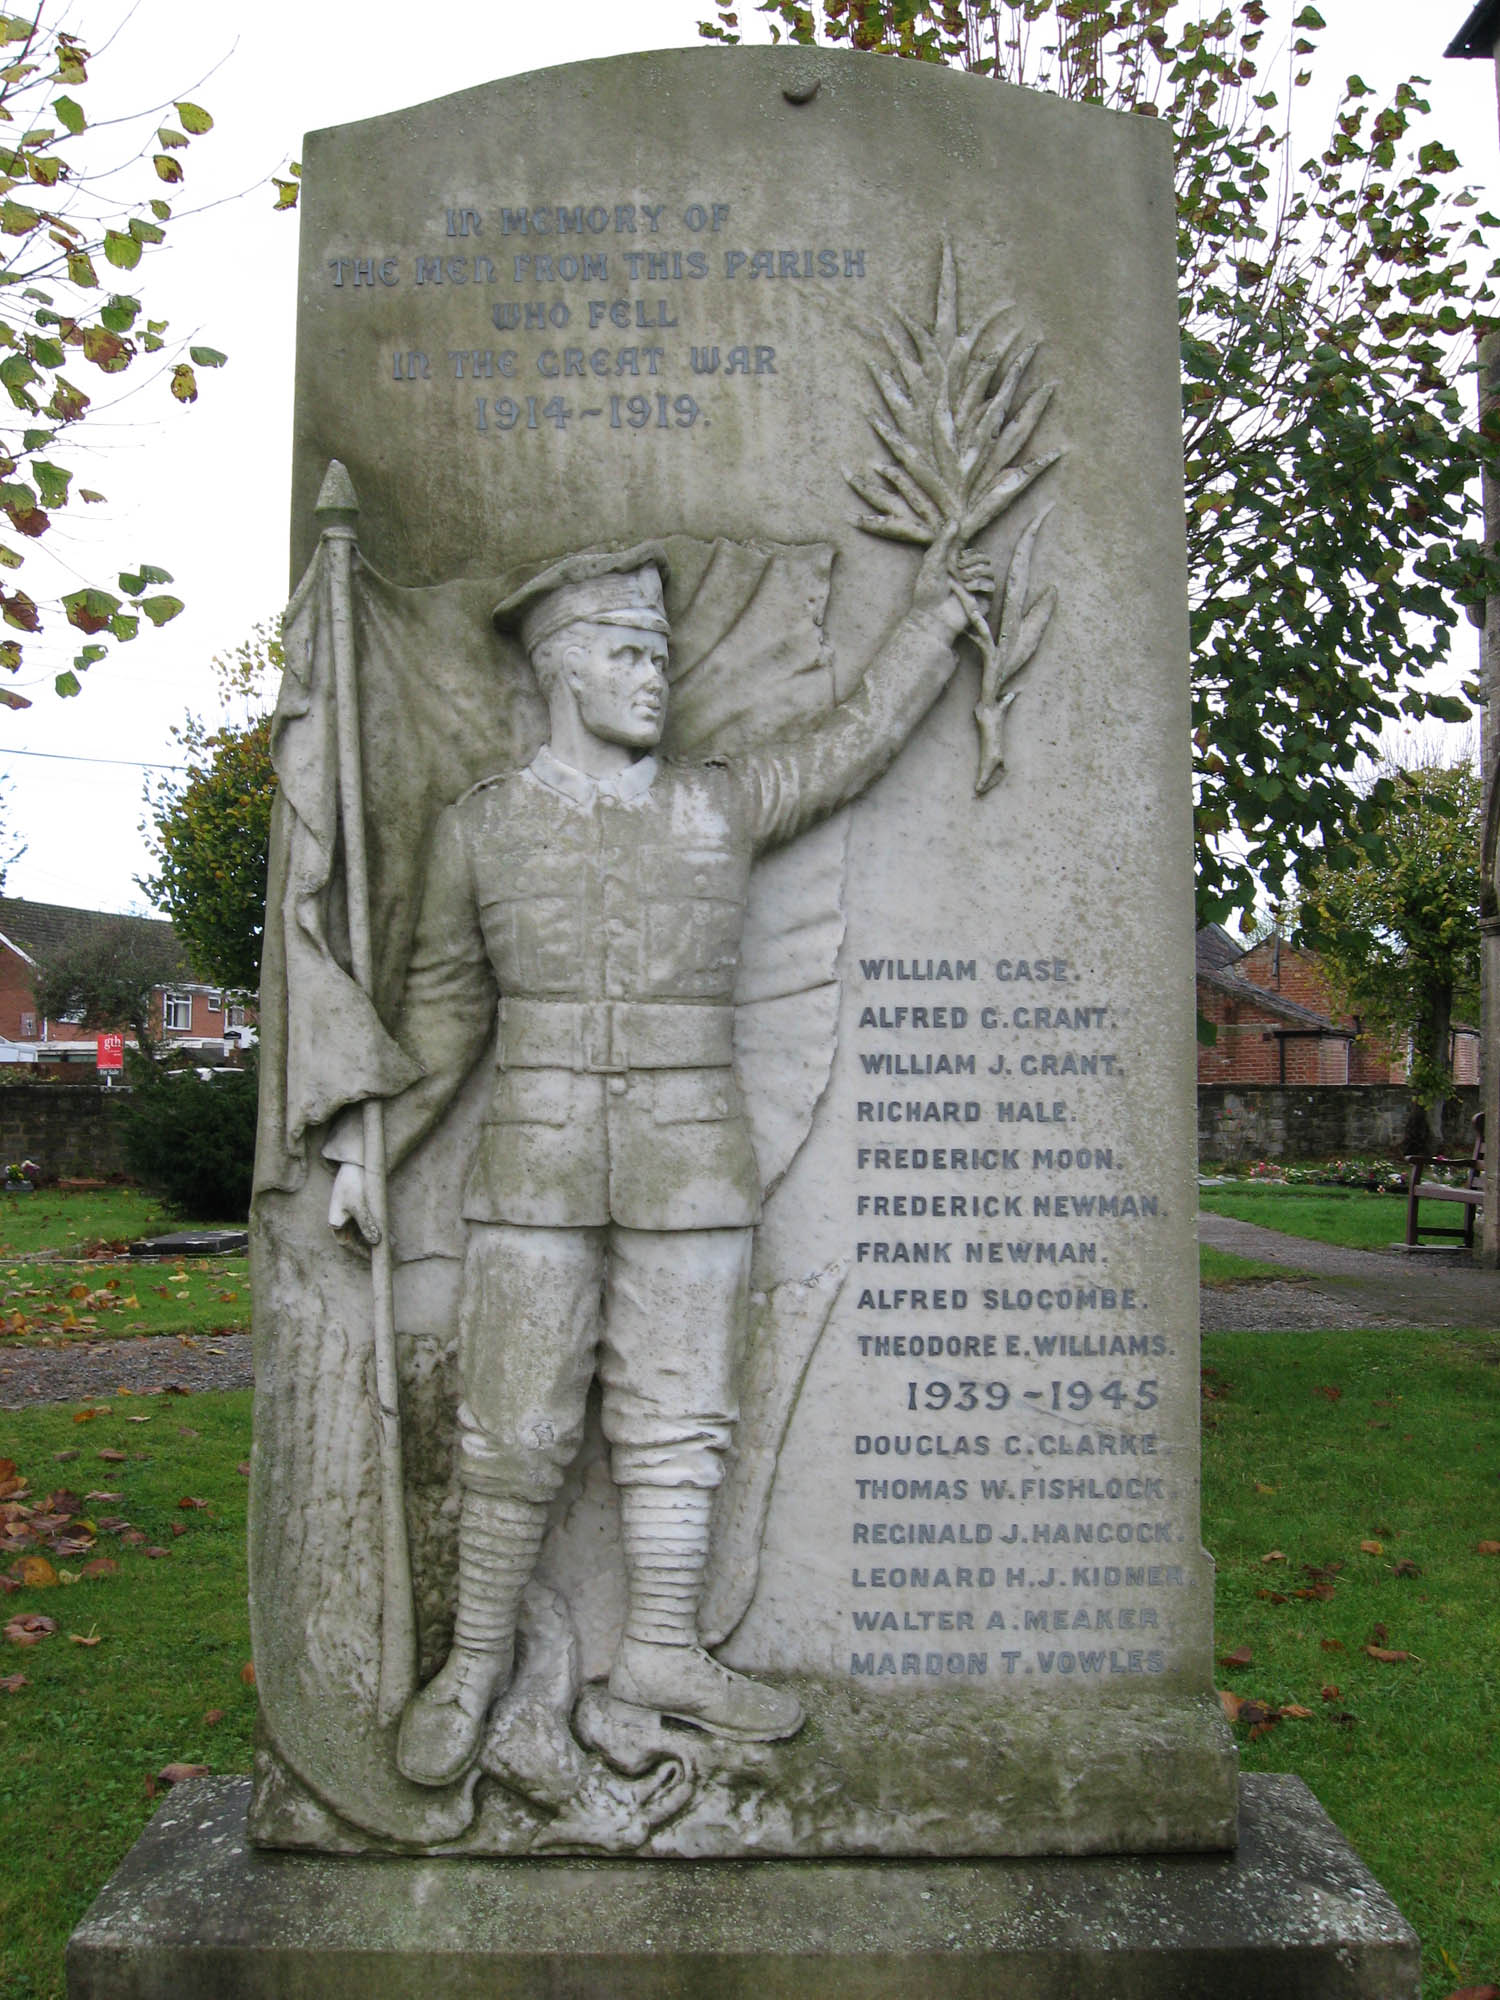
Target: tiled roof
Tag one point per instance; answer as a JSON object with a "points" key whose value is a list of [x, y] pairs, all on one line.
{"points": [[43, 930], [1215, 948], [1260, 997]]}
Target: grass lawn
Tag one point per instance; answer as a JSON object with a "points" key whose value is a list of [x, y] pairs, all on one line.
{"points": [[1405, 1754], [1350, 1216], [73, 1223], [91, 1725], [1222, 1267], [1319, 1445], [53, 1303], [89, 1300]]}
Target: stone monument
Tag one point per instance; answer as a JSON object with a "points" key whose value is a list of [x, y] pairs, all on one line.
{"points": [[724, 1262]]}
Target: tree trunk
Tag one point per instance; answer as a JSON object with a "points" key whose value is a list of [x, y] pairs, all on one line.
{"points": [[1432, 1046]]}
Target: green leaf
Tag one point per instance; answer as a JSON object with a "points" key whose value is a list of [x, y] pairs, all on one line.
{"points": [[162, 210], [194, 119], [90, 610], [90, 656], [88, 493], [52, 482], [122, 250], [10, 558], [16, 219], [68, 683], [81, 268], [1309, 18], [184, 383], [70, 114], [160, 609], [106, 350], [145, 232], [167, 169], [123, 626], [208, 357], [120, 314], [169, 138]]}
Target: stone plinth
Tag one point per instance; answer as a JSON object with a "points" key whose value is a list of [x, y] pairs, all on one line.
{"points": [[194, 1913]]}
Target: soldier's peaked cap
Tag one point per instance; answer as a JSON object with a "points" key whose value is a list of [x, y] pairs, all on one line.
{"points": [[601, 587]]}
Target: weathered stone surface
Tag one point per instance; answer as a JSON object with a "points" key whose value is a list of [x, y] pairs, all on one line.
{"points": [[68, 1128], [195, 1913], [772, 1000], [1271, 1121]]}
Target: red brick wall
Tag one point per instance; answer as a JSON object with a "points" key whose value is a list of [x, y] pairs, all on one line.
{"points": [[1297, 976]]}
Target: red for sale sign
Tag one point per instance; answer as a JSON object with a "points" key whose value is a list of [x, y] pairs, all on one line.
{"points": [[111, 1054]]}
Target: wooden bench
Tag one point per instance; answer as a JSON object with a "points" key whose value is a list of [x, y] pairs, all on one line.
{"points": [[1471, 1194]]}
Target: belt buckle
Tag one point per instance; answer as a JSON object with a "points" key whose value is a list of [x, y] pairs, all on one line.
{"points": [[598, 1025]]}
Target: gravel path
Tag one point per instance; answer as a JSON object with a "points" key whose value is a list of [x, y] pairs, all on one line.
{"points": [[1272, 1305], [144, 1366], [1372, 1287]]}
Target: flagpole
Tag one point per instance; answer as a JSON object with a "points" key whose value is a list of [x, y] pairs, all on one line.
{"points": [[337, 512]]}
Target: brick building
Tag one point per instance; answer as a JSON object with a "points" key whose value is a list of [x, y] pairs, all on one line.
{"points": [[189, 1014], [1277, 1023], [1276, 1020]]}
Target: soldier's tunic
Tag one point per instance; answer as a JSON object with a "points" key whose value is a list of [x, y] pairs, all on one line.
{"points": [[604, 918]]}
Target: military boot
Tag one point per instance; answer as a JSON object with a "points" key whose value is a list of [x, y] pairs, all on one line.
{"points": [[660, 1664], [498, 1544]]}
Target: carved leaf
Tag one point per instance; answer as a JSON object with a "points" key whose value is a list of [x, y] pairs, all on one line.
{"points": [[1029, 633], [912, 494], [927, 475], [1015, 436], [979, 381], [892, 529], [1007, 488], [1017, 577], [896, 400]]}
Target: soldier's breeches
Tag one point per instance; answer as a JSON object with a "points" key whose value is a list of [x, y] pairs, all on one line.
{"points": [[659, 1316]]}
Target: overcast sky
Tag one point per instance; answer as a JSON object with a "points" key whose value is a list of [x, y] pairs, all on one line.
{"points": [[203, 491]]}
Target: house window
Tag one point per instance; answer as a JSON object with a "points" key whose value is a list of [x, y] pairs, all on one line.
{"points": [[177, 1012], [28, 1024], [234, 1015], [216, 1003]]}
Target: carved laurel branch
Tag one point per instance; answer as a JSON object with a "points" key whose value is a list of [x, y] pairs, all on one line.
{"points": [[954, 430]]}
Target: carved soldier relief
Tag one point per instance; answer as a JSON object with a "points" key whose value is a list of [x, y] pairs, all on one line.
{"points": [[653, 1444]]}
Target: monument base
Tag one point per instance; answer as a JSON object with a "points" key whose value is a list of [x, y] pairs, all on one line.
{"points": [[195, 1913]]}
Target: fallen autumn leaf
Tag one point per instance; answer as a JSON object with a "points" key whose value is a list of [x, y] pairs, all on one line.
{"points": [[173, 1774]]}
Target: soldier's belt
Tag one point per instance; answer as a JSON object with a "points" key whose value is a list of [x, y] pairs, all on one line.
{"points": [[607, 1037]]}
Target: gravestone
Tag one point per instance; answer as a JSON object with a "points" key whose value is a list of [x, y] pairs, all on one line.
{"points": [[724, 1259]]}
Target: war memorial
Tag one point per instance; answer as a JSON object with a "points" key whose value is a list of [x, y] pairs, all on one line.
{"points": [[725, 1495]]}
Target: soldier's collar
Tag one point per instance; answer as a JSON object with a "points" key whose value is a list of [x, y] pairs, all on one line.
{"points": [[633, 782]]}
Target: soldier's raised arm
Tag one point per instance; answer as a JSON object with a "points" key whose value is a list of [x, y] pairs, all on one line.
{"points": [[814, 770]]}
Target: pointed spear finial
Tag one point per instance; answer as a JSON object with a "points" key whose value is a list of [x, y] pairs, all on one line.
{"points": [[338, 503]]}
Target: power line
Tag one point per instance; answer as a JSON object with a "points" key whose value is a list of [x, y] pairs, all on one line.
{"points": [[66, 757]]}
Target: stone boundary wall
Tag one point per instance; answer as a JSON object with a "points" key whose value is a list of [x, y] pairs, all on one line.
{"points": [[68, 1129], [1267, 1121]]}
